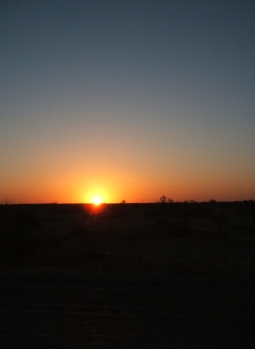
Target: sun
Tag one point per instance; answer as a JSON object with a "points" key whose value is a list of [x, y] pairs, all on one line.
{"points": [[97, 200]]}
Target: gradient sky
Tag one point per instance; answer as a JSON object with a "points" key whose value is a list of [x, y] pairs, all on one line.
{"points": [[127, 100]]}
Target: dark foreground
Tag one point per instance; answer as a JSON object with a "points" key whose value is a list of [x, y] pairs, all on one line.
{"points": [[177, 312]]}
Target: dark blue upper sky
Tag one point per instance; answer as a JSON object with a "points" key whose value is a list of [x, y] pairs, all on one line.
{"points": [[159, 84]]}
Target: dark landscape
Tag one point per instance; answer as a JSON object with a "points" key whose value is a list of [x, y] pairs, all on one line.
{"points": [[163, 275]]}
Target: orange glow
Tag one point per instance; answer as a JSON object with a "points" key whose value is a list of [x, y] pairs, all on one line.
{"points": [[115, 186]]}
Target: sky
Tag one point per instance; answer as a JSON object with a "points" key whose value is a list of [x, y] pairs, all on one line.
{"points": [[127, 100]]}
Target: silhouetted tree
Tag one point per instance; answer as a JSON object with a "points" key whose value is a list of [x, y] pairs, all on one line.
{"points": [[163, 199], [170, 201]]}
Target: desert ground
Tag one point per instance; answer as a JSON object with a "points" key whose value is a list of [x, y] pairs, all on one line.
{"points": [[174, 275]]}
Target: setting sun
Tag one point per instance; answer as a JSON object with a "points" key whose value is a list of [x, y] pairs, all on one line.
{"points": [[95, 193], [97, 200]]}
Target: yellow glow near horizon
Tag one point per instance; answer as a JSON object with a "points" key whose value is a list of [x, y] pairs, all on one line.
{"points": [[94, 192], [97, 200]]}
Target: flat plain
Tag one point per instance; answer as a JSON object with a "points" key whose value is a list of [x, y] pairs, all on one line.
{"points": [[177, 275]]}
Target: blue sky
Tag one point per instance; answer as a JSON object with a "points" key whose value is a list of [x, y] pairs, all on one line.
{"points": [[127, 99]]}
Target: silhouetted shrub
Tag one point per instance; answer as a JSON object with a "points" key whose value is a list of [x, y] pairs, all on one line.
{"points": [[163, 199]]}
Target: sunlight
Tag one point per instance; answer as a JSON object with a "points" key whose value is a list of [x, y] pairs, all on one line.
{"points": [[95, 193], [97, 200]]}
